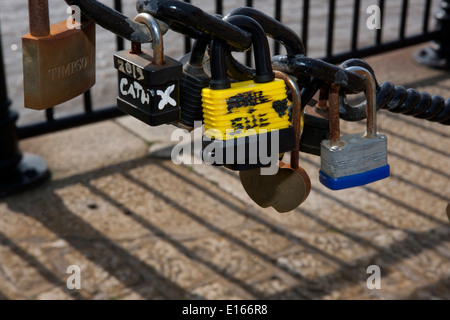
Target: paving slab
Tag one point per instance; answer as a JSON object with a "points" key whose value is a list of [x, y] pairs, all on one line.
{"points": [[141, 227], [159, 134], [79, 150]]}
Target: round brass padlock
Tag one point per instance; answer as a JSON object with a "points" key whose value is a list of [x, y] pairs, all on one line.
{"points": [[291, 185]]}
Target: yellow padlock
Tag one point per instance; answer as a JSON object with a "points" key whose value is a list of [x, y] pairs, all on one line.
{"points": [[257, 107]]}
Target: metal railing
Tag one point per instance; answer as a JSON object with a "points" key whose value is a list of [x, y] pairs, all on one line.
{"points": [[436, 56], [92, 114]]}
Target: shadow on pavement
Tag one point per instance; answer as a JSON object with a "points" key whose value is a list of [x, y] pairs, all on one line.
{"points": [[83, 237]]}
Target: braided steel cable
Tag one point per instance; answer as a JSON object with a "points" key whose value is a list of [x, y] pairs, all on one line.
{"points": [[398, 99], [414, 103], [195, 23]]}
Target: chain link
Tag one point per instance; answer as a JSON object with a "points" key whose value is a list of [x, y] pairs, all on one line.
{"points": [[312, 74]]}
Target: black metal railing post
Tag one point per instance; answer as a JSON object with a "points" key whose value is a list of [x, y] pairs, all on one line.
{"points": [[17, 171], [437, 55]]}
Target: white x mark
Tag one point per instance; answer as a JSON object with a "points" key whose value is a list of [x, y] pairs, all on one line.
{"points": [[166, 98]]}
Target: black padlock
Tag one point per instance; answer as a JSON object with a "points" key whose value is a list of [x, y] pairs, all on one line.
{"points": [[149, 84], [315, 129], [191, 85], [242, 117]]}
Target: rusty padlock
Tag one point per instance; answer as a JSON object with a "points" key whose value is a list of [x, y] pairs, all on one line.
{"points": [[58, 61], [353, 160], [291, 185]]}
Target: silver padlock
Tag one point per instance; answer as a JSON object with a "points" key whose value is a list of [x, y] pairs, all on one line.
{"points": [[355, 159]]}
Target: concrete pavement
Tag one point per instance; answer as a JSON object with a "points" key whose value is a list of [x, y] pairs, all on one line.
{"points": [[140, 227]]}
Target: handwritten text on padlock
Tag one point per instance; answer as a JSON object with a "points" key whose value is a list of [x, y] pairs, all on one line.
{"points": [[138, 92]]}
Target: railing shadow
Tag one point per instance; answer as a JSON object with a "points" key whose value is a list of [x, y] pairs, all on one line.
{"points": [[439, 289], [177, 244], [3, 296], [383, 258], [273, 227], [39, 267], [347, 270], [82, 236]]}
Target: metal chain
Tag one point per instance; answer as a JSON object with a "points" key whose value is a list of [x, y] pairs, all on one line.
{"points": [[312, 74], [398, 99], [392, 98], [414, 103]]}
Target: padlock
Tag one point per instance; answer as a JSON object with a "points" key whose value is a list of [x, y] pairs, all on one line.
{"points": [[191, 85], [242, 117], [149, 84], [354, 159], [315, 130], [291, 185], [58, 61]]}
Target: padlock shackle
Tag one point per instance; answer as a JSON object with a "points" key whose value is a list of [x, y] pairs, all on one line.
{"points": [[263, 63], [219, 79], [371, 105], [157, 38], [274, 29], [296, 114], [333, 115], [198, 52], [39, 18], [371, 110]]}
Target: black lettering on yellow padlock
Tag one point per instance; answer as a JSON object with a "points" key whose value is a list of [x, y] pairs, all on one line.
{"points": [[149, 84], [242, 116], [58, 62]]}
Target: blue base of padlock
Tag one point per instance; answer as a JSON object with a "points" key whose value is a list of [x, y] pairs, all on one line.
{"points": [[354, 180]]}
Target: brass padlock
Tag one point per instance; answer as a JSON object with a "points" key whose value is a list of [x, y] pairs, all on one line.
{"points": [[58, 61], [291, 185]]}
